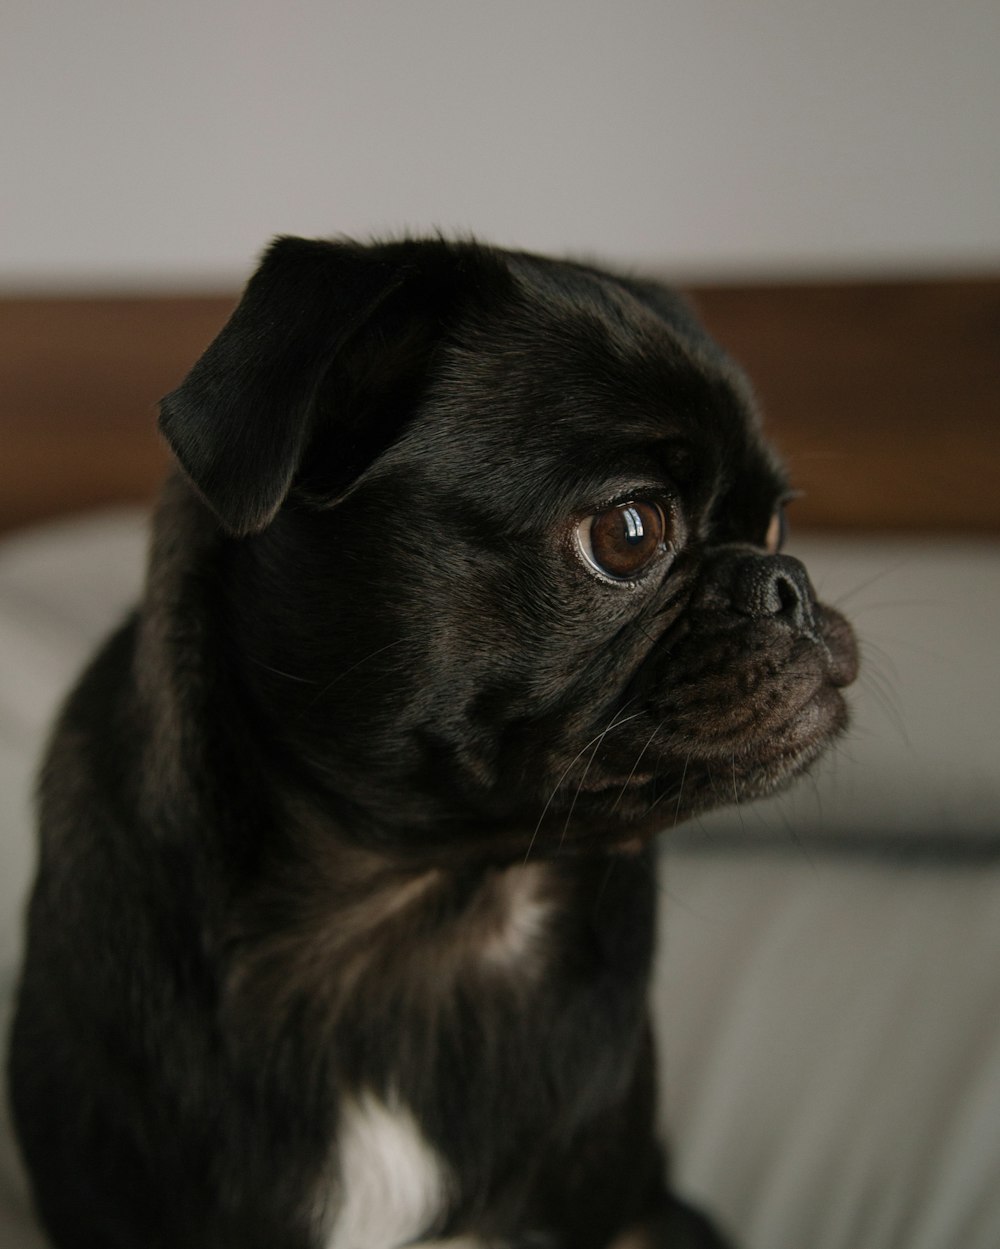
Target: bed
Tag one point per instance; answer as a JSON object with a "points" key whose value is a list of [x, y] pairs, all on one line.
{"points": [[827, 996]]}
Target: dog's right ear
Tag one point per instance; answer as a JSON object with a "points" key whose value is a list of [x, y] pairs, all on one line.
{"points": [[241, 420]]}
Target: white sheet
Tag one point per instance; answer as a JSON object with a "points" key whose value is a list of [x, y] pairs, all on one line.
{"points": [[830, 1031]]}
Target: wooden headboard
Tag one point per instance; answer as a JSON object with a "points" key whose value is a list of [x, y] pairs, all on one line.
{"points": [[883, 396]]}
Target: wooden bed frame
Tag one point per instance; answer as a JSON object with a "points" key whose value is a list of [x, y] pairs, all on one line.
{"points": [[883, 396]]}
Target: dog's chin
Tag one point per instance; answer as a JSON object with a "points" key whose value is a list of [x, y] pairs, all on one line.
{"points": [[708, 772], [740, 753], [773, 761]]}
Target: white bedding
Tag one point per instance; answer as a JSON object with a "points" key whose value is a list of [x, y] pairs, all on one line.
{"points": [[828, 993], [830, 1028]]}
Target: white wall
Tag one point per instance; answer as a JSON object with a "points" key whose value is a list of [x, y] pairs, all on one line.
{"points": [[161, 142]]}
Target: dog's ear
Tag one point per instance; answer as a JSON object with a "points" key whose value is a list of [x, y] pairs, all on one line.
{"points": [[242, 419]]}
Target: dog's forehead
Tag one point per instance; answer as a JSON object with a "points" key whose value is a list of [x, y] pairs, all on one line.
{"points": [[574, 377], [572, 352]]}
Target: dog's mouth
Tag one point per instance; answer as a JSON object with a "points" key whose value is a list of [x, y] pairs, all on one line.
{"points": [[685, 778], [746, 718]]}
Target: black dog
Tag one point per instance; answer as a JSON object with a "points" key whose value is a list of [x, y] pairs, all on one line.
{"points": [[343, 924]]}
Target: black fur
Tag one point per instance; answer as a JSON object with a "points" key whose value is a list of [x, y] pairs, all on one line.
{"points": [[373, 694]]}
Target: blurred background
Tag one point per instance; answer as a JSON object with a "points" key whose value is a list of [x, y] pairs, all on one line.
{"points": [[156, 146], [824, 179]]}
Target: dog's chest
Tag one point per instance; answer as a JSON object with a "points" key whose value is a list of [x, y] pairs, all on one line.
{"points": [[391, 1186]]}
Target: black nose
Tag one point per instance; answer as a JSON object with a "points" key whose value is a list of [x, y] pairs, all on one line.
{"points": [[772, 585]]}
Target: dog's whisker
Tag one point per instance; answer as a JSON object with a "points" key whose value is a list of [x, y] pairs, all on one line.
{"points": [[635, 766], [566, 771], [893, 604], [579, 786], [668, 793], [593, 754], [736, 794], [353, 668], [882, 690], [861, 586], [290, 676]]}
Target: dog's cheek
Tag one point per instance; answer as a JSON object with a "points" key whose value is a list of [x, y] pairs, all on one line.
{"points": [[712, 690]]}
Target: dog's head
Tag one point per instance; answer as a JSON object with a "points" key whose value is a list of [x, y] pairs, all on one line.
{"points": [[501, 548]]}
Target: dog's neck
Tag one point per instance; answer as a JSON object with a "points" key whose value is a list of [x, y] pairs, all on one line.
{"points": [[390, 927], [317, 887]]}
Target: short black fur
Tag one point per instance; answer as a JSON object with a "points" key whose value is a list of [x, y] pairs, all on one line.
{"points": [[358, 804]]}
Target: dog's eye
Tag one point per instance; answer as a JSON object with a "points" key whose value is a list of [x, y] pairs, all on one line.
{"points": [[777, 531], [621, 541]]}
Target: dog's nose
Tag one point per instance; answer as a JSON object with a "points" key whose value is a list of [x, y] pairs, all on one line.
{"points": [[743, 582], [773, 585]]}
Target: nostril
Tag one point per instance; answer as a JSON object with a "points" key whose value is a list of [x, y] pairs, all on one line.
{"points": [[766, 591], [786, 595], [762, 587], [771, 586]]}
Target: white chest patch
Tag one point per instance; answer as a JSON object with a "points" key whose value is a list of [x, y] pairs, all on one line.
{"points": [[517, 941], [393, 1185]]}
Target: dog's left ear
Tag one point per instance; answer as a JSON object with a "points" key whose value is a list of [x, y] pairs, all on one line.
{"points": [[242, 419]]}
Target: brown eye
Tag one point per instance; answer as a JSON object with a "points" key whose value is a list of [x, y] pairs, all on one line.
{"points": [[621, 541], [777, 531]]}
